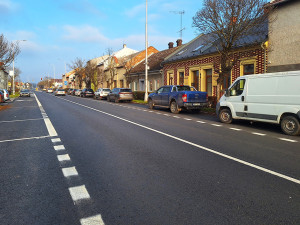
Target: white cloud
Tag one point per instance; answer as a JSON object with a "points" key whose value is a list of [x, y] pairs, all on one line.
{"points": [[85, 33], [7, 6], [135, 10]]}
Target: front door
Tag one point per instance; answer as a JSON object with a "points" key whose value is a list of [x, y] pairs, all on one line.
{"points": [[237, 99], [157, 96]]}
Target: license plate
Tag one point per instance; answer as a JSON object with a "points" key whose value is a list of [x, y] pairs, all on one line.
{"points": [[196, 104]]}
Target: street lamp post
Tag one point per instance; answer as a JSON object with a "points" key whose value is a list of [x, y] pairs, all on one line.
{"points": [[14, 70]]}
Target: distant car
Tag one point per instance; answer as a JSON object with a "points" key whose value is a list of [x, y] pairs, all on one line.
{"points": [[87, 92], [50, 90], [60, 92], [78, 92], [24, 92], [73, 91], [44, 90], [70, 91], [6, 94], [1, 97], [120, 94], [102, 93]]}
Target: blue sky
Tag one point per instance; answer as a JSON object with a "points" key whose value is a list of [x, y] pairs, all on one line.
{"points": [[58, 31]]}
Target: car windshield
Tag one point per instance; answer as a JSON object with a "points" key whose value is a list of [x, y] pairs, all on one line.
{"points": [[183, 88], [24, 90], [89, 89], [125, 90], [106, 89]]}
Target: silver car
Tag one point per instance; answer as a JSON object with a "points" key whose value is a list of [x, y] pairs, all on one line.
{"points": [[6, 94], [24, 92], [120, 94], [102, 93]]}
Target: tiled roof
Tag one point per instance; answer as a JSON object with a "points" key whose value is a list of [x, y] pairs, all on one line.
{"points": [[154, 61], [205, 44]]}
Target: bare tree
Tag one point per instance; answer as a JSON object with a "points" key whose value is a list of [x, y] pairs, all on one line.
{"points": [[8, 51], [90, 74], [79, 66], [47, 82], [226, 21], [112, 70], [101, 76]]}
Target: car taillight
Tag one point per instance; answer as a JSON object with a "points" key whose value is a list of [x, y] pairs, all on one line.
{"points": [[184, 97], [7, 95]]}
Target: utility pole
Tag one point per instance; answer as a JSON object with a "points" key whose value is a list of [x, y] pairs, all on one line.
{"points": [[181, 28], [146, 58]]}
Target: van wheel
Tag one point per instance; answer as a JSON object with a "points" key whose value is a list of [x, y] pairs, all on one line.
{"points": [[225, 116], [290, 125], [150, 104], [174, 107]]}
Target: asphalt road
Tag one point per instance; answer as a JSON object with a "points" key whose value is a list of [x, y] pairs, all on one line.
{"points": [[73, 160]]}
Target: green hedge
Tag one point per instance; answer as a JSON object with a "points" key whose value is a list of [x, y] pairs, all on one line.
{"points": [[139, 95]]}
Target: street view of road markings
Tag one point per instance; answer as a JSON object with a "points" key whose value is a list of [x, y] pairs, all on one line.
{"points": [[79, 192], [23, 139], [195, 145], [216, 125], [176, 117], [187, 119], [199, 121]]}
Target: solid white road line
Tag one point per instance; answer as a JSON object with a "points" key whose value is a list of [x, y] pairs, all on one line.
{"points": [[65, 157], [93, 220], [289, 140], [12, 121], [195, 145], [23, 139], [59, 147], [70, 171], [79, 193], [50, 128]]}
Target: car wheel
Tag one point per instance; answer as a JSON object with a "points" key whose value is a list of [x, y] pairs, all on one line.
{"points": [[225, 116], [150, 104], [174, 107], [290, 125]]}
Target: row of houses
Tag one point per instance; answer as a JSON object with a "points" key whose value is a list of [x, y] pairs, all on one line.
{"points": [[275, 47]]}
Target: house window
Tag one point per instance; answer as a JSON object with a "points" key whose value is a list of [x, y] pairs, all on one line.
{"points": [[151, 86], [107, 84], [135, 86], [171, 78], [208, 73], [121, 83], [181, 78], [115, 83], [248, 69], [227, 82]]}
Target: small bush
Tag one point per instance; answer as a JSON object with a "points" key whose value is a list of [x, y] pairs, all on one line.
{"points": [[139, 95]]}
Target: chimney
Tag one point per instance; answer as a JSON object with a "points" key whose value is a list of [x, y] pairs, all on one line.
{"points": [[171, 45], [124, 45], [179, 42]]}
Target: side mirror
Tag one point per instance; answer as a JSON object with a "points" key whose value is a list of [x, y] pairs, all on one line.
{"points": [[227, 93]]}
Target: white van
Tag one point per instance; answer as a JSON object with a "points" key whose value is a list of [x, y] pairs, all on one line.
{"points": [[271, 97]]}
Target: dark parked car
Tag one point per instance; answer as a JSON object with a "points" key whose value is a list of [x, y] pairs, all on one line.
{"points": [[24, 92], [120, 94], [87, 92]]}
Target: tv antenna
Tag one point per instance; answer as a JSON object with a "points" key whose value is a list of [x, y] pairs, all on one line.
{"points": [[181, 28]]}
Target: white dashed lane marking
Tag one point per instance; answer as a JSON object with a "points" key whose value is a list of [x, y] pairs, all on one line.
{"points": [[216, 125], [59, 147], [237, 129], [199, 121], [64, 157], [289, 140], [70, 171], [56, 140], [187, 119], [93, 220], [79, 193], [259, 134]]}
